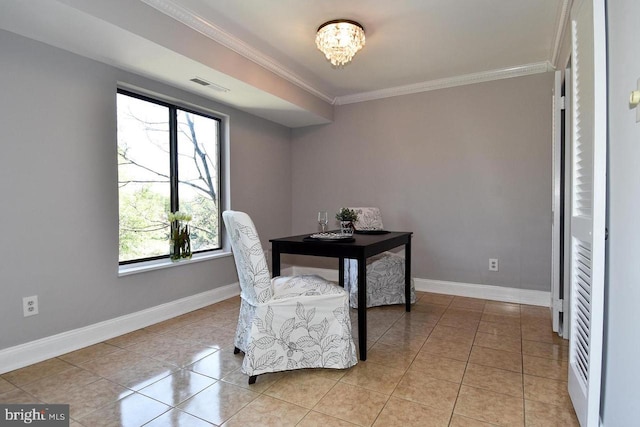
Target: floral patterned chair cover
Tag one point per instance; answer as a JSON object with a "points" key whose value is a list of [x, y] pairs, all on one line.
{"points": [[385, 272], [285, 323]]}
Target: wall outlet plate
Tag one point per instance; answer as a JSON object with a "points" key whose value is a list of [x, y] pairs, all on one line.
{"points": [[493, 264], [30, 306]]}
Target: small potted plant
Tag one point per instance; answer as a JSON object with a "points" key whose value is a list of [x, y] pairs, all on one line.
{"points": [[347, 217]]}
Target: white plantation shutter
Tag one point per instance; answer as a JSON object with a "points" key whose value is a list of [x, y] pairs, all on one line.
{"points": [[588, 207], [582, 274]]}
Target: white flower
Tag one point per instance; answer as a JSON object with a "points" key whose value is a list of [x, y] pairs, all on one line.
{"points": [[178, 216]]}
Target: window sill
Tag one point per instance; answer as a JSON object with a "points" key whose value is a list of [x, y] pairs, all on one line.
{"points": [[142, 267]]}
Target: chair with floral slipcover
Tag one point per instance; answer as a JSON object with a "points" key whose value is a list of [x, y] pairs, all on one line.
{"points": [[285, 323], [385, 271]]}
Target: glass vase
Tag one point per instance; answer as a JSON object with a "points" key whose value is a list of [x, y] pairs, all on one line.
{"points": [[346, 228], [180, 242]]}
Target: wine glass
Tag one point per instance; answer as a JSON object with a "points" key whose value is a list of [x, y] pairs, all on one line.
{"points": [[323, 220]]}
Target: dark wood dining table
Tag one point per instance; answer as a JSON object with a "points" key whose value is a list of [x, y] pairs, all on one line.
{"points": [[360, 248]]}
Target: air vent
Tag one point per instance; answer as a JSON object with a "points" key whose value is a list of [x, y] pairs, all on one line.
{"points": [[210, 85]]}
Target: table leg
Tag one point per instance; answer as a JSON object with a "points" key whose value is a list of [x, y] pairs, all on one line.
{"points": [[362, 307], [275, 261], [341, 272], [407, 275]]}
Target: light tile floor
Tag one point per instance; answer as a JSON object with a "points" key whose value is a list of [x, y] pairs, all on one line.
{"points": [[452, 361]]}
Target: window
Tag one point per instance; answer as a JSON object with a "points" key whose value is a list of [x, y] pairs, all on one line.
{"points": [[168, 160]]}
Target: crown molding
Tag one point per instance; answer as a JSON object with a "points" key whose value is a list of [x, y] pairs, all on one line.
{"points": [[485, 76], [561, 26], [201, 25], [217, 34]]}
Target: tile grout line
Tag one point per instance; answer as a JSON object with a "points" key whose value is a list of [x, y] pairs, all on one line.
{"points": [[466, 366], [405, 371]]}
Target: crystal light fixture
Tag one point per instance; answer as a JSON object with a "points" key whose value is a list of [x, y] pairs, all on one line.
{"points": [[340, 40]]}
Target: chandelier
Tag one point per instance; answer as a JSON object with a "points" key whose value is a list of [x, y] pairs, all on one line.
{"points": [[340, 40]]}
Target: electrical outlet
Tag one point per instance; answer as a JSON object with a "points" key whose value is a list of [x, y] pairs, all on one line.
{"points": [[493, 264], [30, 306]]}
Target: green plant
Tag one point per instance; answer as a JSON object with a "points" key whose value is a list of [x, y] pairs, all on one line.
{"points": [[180, 244], [347, 214]]}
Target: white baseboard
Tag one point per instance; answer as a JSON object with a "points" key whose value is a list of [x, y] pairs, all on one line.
{"points": [[490, 292], [56, 345]]}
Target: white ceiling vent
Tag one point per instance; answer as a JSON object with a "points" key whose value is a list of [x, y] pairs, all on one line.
{"points": [[208, 84]]}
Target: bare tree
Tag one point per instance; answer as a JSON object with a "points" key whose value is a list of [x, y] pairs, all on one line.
{"points": [[138, 217]]}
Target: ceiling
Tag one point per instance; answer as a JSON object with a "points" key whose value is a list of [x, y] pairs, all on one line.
{"points": [[266, 50]]}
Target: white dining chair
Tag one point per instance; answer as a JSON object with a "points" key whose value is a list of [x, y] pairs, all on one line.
{"points": [[385, 272], [285, 323]]}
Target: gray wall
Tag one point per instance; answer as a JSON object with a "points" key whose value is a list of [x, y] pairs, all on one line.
{"points": [[622, 300], [467, 169], [58, 180]]}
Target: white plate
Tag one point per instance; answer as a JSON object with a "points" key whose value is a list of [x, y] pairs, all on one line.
{"points": [[330, 236]]}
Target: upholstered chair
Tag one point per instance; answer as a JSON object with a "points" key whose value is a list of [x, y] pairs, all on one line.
{"points": [[285, 323], [385, 272]]}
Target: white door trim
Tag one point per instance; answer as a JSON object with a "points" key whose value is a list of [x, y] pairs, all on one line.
{"points": [[555, 202]]}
